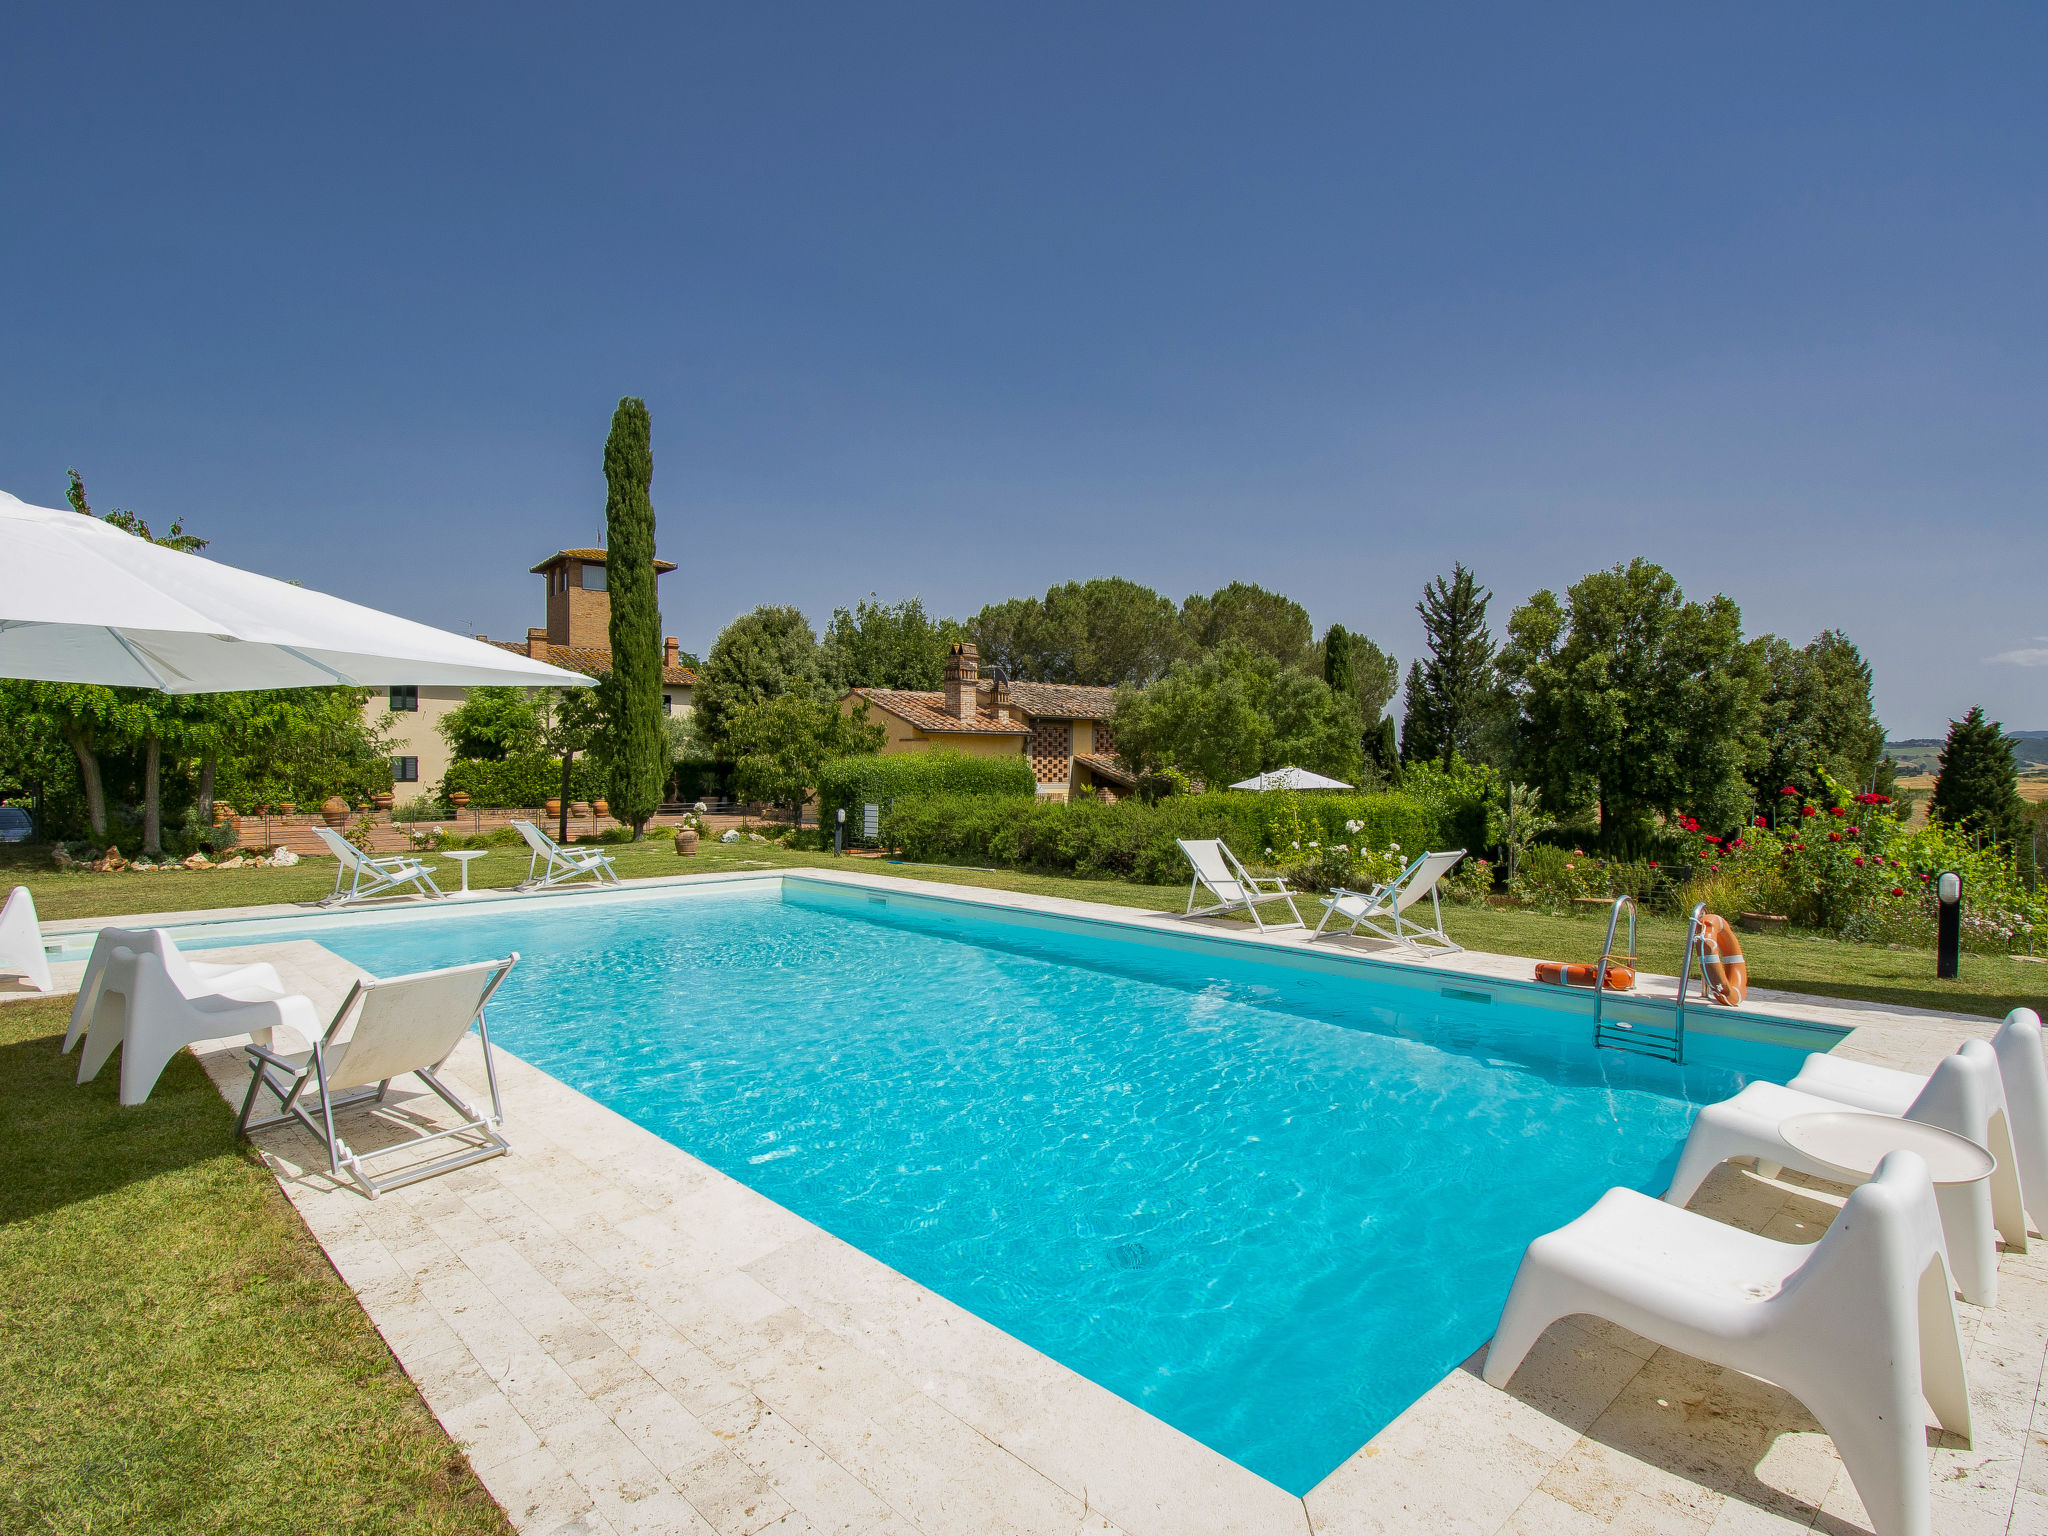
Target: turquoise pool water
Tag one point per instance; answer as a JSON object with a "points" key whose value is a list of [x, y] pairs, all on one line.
{"points": [[1270, 1206]]}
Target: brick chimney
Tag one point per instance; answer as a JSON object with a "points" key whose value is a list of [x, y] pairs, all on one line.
{"points": [[536, 643], [962, 665], [671, 653]]}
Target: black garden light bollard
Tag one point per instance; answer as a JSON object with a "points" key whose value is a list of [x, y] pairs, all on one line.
{"points": [[838, 830], [1948, 925]]}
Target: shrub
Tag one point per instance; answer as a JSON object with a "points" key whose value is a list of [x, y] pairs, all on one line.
{"points": [[526, 780], [1554, 878], [1131, 840], [872, 779], [423, 808]]}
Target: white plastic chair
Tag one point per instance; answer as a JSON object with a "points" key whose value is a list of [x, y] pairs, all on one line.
{"points": [[384, 1030], [2022, 1072], [1388, 903], [1858, 1326], [1235, 888], [1962, 1096], [369, 877], [161, 1020], [563, 864], [21, 940], [100, 1011]]}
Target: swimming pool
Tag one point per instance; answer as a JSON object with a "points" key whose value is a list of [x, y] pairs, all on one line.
{"points": [[1271, 1202]]}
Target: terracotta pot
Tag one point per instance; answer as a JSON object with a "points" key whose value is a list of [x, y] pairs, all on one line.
{"points": [[1763, 922], [554, 808], [686, 840], [602, 808], [334, 811], [287, 807], [385, 801], [459, 799], [262, 810], [579, 808]]}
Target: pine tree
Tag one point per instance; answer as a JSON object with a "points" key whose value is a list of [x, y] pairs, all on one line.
{"points": [[1450, 695], [1978, 789], [1384, 750], [637, 746]]}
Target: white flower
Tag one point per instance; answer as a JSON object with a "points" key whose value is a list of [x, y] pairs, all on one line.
{"points": [[1315, 845], [1393, 847], [1354, 826], [1295, 846], [1269, 853]]}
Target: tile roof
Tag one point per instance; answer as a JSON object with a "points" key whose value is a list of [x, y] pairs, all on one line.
{"points": [[587, 659], [597, 555], [927, 711], [1109, 768], [1063, 701]]}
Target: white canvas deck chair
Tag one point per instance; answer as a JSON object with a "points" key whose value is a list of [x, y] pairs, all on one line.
{"points": [[369, 877], [1235, 889], [1858, 1326], [382, 1031], [1963, 1095], [21, 940], [2022, 1072], [563, 864], [1370, 910]]}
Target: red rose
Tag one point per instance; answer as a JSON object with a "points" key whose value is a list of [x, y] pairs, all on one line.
{"points": [[1759, 821], [1855, 831], [1713, 839], [1653, 863], [1807, 810], [1836, 810], [1898, 890], [1857, 862], [1834, 837], [1788, 790], [1714, 869]]}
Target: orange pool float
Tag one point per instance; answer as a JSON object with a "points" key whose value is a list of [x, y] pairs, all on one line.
{"points": [[1721, 958], [1559, 974]]}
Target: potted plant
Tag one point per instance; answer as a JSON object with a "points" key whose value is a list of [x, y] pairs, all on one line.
{"points": [[579, 808], [554, 806], [602, 807], [384, 800], [334, 811], [459, 799], [686, 840]]}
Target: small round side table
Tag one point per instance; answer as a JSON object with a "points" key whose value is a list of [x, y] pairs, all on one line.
{"points": [[463, 856]]}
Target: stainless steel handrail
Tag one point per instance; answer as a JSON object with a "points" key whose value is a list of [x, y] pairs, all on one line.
{"points": [[1600, 979], [1692, 940]]}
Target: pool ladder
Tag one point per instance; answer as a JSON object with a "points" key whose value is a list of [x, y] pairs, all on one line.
{"points": [[1666, 1042]]}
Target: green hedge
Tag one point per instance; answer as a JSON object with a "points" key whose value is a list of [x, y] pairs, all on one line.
{"points": [[524, 780], [872, 779], [1130, 840]]}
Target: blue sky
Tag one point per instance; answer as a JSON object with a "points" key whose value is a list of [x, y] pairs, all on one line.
{"points": [[961, 302]]}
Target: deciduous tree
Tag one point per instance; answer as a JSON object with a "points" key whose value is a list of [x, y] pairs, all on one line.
{"points": [[1817, 716], [1234, 713], [885, 645], [782, 744], [1264, 621], [757, 657]]}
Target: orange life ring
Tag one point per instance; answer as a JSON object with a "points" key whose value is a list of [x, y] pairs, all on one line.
{"points": [[1619, 977], [1721, 958]]}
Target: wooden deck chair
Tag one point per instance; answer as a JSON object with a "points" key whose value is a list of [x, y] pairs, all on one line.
{"points": [[563, 864], [1382, 904], [21, 940], [369, 877], [1235, 888], [384, 1030]]}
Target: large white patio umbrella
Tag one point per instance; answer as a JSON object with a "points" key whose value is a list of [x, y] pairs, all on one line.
{"points": [[1291, 778], [84, 602]]}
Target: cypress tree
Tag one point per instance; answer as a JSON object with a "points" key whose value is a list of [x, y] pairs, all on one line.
{"points": [[1338, 671], [637, 748], [1385, 751], [1978, 789], [1449, 695]]}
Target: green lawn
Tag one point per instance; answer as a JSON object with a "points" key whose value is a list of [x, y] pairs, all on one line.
{"points": [[176, 1354], [1789, 962]]}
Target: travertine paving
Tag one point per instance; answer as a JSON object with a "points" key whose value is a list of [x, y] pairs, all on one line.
{"points": [[626, 1340]]}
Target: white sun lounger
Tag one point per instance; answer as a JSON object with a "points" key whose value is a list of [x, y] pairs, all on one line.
{"points": [[384, 1030], [1963, 1096], [1387, 903], [563, 864], [369, 877], [2022, 1072], [21, 940], [1235, 889], [160, 1021], [100, 1011], [1858, 1326]]}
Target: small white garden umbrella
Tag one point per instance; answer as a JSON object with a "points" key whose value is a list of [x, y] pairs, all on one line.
{"points": [[84, 602], [1291, 778]]}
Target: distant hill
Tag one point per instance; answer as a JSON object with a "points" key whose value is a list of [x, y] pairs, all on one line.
{"points": [[1922, 754]]}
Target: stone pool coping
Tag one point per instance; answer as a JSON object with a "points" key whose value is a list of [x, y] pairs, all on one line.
{"points": [[625, 1339]]}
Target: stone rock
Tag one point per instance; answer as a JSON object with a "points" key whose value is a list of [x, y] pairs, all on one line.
{"points": [[62, 859], [732, 835], [284, 858], [755, 837], [196, 861], [235, 863], [110, 862]]}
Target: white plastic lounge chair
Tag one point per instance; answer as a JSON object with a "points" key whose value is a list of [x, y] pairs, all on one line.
{"points": [[161, 1020], [384, 1030], [369, 877], [100, 1011], [1388, 903], [2022, 1072], [1234, 887], [21, 940], [563, 864], [1962, 1096], [1858, 1326]]}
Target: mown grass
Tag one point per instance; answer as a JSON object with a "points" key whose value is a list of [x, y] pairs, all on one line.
{"points": [[1989, 985], [176, 1354]]}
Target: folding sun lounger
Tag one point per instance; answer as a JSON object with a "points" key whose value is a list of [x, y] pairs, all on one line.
{"points": [[1235, 889], [369, 877], [563, 864], [382, 1031], [1387, 903]]}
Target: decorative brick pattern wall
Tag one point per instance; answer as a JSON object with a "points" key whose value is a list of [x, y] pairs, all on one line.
{"points": [[1052, 748], [1105, 743]]}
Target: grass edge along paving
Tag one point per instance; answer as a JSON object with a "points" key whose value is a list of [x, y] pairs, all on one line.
{"points": [[176, 1353]]}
